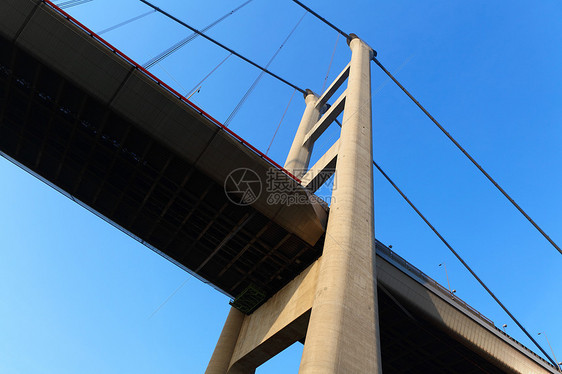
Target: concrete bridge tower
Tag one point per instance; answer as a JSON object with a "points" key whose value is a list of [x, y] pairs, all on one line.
{"points": [[332, 306]]}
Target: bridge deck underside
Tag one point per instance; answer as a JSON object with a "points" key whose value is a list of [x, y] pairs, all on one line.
{"points": [[411, 344], [86, 150]]}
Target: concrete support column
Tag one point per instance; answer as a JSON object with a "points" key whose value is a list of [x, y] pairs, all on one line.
{"points": [[222, 355], [343, 334], [299, 154]]}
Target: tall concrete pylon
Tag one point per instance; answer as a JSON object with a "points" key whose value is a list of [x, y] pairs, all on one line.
{"points": [[299, 154], [331, 306]]}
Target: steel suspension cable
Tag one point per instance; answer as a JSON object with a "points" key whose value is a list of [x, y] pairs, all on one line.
{"points": [[221, 45], [173, 78], [488, 176], [260, 75], [459, 258], [330, 65], [280, 122], [177, 46], [126, 22], [71, 3], [463, 262], [208, 75], [468, 156], [322, 19]]}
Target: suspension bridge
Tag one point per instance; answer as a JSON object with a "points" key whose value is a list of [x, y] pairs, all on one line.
{"points": [[99, 127]]}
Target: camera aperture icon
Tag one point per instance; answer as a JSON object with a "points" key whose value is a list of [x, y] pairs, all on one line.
{"points": [[243, 186]]}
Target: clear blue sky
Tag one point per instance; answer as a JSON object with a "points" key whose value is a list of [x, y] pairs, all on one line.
{"points": [[79, 296]]}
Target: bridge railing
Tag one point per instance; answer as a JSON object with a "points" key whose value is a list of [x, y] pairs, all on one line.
{"points": [[424, 277], [527, 349]]}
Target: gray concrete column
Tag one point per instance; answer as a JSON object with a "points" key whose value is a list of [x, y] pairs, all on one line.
{"points": [[299, 154], [220, 360], [343, 335]]}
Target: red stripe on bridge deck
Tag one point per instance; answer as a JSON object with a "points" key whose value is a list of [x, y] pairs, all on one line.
{"points": [[170, 89]]}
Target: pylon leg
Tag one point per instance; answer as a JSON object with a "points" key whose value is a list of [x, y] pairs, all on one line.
{"points": [[343, 335], [220, 360], [299, 154]]}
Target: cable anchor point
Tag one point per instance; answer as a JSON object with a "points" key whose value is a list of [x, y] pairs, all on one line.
{"points": [[354, 36]]}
